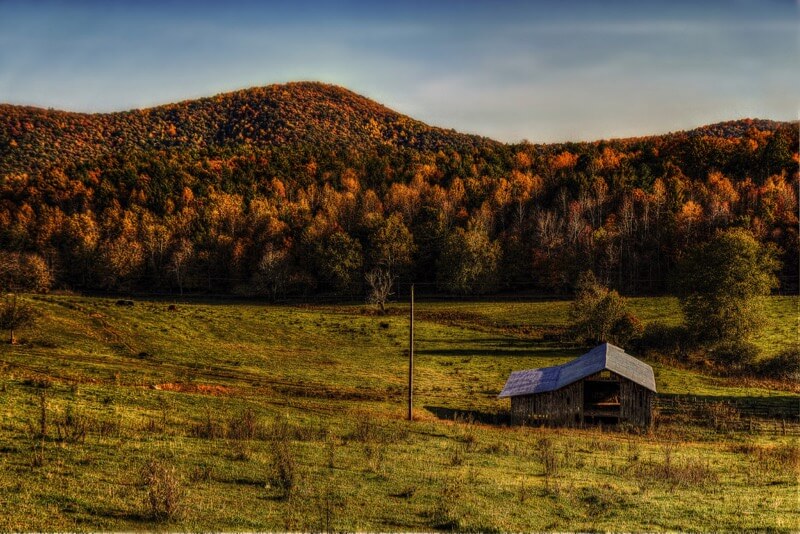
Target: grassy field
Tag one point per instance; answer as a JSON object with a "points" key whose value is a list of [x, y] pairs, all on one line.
{"points": [[242, 416]]}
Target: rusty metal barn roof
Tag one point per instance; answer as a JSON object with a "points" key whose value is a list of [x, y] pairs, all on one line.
{"points": [[602, 357]]}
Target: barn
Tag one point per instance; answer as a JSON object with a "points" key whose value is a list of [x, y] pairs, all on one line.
{"points": [[605, 385]]}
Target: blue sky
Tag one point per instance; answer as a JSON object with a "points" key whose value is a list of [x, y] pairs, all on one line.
{"points": [[542, 71]]}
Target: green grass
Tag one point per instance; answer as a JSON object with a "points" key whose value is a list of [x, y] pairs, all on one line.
{"points": [[144, 379], [782, 328]]}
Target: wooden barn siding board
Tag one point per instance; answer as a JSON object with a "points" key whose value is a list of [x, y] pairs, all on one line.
{"points": [[561, 406], [636, 403], [565, 406]]}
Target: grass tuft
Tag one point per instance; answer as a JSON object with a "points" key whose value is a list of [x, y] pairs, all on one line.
{"points": [[165, 492]]}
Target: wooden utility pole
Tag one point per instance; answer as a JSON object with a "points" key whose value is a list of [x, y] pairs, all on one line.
{"points": [[411, 357]]}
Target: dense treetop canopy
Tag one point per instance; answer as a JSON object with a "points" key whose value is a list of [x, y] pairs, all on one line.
{"points": [[293, 188]]}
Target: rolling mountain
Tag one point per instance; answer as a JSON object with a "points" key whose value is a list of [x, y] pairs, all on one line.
{"points": [[306, 188], [738, 128], [276, 115], [293, 114]]}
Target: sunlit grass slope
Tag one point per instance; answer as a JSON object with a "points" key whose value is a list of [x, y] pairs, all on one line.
{"points": [[132, 385]]}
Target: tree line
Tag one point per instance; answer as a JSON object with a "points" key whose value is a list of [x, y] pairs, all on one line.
{"points": [[309, 219]]}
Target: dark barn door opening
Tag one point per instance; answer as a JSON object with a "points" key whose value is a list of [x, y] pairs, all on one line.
{"points": [[601, 401]]}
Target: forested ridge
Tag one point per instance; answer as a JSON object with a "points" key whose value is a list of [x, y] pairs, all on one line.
{"points": [[307, 188]]}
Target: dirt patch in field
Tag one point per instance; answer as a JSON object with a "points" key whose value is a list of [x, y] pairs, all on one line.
{"points": [[205, 389]]}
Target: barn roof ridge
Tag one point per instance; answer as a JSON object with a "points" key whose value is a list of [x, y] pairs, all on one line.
{"points": [[602, 357]]}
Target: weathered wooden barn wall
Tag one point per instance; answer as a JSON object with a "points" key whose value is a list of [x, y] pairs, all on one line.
{"points": [[636, 403], [565, 406]]}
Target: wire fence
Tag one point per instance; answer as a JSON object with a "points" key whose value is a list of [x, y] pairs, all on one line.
{"points": [[778, 415]]}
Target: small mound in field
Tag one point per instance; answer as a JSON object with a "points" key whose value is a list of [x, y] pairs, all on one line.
{"points": [[206, 389]]}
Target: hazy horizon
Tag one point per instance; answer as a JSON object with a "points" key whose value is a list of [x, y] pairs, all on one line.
{"points": [[542, 71]]}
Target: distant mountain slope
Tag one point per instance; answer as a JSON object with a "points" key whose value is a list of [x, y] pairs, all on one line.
{"points": [[302, 113], [737, 128], [306, 189], [294, 113]]}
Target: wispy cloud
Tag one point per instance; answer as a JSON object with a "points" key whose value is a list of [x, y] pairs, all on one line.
{"points": [[510, 70]]}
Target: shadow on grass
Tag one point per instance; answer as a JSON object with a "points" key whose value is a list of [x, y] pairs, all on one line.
{"points": [[453, 414], [555, 347], [246, 482], [478, 352], [495, 347], [141, 518], [557, 357]]}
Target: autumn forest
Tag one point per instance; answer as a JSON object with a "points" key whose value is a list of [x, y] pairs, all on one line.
{"points": [[308, 189]]}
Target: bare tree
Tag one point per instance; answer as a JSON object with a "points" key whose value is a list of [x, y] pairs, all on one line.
{"points": [[181, 256], [380, 282], [15, 315]]}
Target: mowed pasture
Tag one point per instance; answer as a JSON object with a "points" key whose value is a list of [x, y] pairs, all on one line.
{"points": [[245, 416]]}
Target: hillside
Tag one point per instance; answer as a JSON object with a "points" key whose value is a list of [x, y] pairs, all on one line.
{"points": [[304, 189], [222, 395], [263, 117], [300, 113], [738, 128]]}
